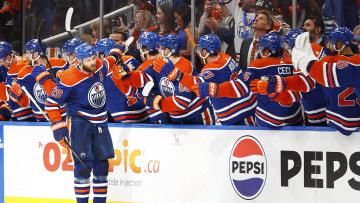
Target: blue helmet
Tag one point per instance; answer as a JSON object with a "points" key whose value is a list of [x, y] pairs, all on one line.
{"points": [[70, 45], [28, 45], [289, 38], [104, 46], [270, 41], [150, 40], [172, 42], [34, 47], [5, 49], [84, 50], [342, 34], [209, 42]]}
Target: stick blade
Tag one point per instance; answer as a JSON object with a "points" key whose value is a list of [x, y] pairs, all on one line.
{"points": [[68, 17], [147, 88], [84, 172], [127, 44], [129, 41]]}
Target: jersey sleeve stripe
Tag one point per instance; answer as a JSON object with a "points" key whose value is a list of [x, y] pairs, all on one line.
{"points": [[334, 67], [330, 77]]}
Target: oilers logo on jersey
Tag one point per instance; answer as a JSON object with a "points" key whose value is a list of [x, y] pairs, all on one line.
{"points": [[97, 95], [244, 31], [167, 88], [39, 93]]}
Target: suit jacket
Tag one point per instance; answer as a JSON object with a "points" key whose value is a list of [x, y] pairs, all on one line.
{"points": [[244, 53]]}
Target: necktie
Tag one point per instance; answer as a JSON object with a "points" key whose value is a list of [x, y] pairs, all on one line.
{"points": [[252, 55]]}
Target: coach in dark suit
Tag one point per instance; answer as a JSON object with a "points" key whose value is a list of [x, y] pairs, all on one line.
{"points": [[262, 25]]}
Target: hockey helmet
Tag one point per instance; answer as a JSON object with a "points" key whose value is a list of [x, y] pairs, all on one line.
{"points": [[150, 40], [70, 45], [28, 45], [104, 46], [5, 49], [289, 38], [270, 41], [209, 42], [172, 42], [342, 34], [34, 47], [84, 50]]}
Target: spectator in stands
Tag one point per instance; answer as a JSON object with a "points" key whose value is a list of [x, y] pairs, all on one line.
{"points": [[165, 21], [182, 19], [315, 26], [223, 27], [95, 27], [340, 13], [10, 19], [143, 21], [280, 26], [210, 18], [262, 25], [87, 38], [244, 18]]}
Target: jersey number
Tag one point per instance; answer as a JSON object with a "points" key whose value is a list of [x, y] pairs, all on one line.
{"points": [[343, 95], [56, 93], [131, 100]]}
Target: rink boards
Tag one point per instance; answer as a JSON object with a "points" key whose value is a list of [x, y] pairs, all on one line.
{"points": [[171, 163]]}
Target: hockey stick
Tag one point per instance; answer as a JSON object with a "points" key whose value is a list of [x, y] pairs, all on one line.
{"points": [[68, 17], [86, 170], [82, 172], [147, 88], [42, 48], [127, 44], [35, 103]]}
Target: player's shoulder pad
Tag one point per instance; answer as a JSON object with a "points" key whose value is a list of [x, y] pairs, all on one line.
{"points": [[72, 76], [354, 59], [145, 65], [265, 62], [26, 70], [17, 66], [57, 62], [219, 63], [335, 59]]}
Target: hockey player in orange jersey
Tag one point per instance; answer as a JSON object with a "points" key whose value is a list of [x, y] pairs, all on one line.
{"points": [[12, 65], [313, 98], [343, 108]]}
